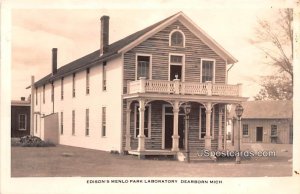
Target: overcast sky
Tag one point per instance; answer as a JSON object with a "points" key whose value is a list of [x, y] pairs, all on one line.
{"points": [[75, 32]]}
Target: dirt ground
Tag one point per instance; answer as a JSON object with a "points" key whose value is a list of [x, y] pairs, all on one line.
{"points": [[66, 161]]}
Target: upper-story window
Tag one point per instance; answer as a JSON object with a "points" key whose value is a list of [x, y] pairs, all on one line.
{"points": [[62, 89], [52, 92], [104, 77], [73, 85], [44, 94], [177, 38], [143, 66], [87, 89], [207, 70]]}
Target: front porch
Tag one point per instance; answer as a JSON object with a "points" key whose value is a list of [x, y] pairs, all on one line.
{"points": [[154, 117]]}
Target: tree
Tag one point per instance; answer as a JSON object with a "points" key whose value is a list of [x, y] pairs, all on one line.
{"points": [[275, 88], [275, 40]]}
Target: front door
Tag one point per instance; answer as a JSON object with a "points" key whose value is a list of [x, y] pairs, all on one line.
{"points": [[259, 134], [169, 128]]}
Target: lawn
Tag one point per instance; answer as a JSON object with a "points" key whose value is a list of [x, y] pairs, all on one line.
{"points": [[66, 161]]}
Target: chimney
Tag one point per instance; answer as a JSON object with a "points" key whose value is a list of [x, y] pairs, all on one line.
{"points": [[54, 61], [104, 34], [22, 98]]}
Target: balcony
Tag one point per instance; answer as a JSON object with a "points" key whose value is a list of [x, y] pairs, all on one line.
{"points": [[183, 88]]}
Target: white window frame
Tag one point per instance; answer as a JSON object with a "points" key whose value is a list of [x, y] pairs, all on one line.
{"points": [[149, 120], [214, 68], [170, 38], [212, 133], [183, 65], [19, 122], [136, 64]]}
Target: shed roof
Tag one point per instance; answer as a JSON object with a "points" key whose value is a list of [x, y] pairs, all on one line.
{"points": [[271, 109]]}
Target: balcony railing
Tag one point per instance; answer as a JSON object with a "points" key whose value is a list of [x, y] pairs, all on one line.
{"points": [[177, 87]]}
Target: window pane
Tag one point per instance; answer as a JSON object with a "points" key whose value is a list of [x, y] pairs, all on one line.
{"points": [[143, 65], [176, 59], [273, 130], [207, 71], [176, 39], [245, 129]]}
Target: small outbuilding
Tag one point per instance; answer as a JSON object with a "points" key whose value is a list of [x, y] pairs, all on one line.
{"points": [[20, 117]]}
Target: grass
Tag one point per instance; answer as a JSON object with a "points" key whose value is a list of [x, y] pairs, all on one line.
{"points": [[66, 161]]}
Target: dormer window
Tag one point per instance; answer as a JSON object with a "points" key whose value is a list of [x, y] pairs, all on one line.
{"points": [[177, 38]]}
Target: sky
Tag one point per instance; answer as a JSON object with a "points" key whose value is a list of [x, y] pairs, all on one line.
{"points": [[75, 31]]}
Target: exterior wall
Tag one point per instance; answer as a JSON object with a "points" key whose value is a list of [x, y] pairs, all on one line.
{"points": [[158, 47], [157, 130], [15, 111], [51, 126], [111, 99], [283, 130]]}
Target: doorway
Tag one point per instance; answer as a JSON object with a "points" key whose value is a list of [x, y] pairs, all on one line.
{"points": [[175, 71], [168, 123], [259, 134]]}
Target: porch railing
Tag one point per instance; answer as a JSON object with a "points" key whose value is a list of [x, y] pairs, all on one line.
{"points": [[177, 87]]}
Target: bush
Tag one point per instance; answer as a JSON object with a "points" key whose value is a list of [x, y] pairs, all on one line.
{"points": [[32, 141]]}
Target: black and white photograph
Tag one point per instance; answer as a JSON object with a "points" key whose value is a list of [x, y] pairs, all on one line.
{"points": [[149, 96]]}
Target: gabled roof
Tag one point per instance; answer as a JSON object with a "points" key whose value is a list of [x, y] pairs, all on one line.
{"points": [[271, 109], [125, 44], [20, 103]]}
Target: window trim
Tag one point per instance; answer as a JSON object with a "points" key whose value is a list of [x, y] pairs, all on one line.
{"points": [[183, 38], [136, 64], [62, 88], [74, 85], [276, 130], [87, 81], [104, 123], [19, 122], [246, 135], [182, 65], [135, 120], [61, 123], [87, 122], [214, 68], [73, 123]]}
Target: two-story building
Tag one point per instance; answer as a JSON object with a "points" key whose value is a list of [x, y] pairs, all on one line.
{"points": [[128, 95]]}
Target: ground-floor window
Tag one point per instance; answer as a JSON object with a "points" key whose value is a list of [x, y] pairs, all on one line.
{"points": [[61, 123], [22, 122], [202, 122], [87, 122], [273, 130], [245, 130], [73, 122], [103, 133], [147, 121]]}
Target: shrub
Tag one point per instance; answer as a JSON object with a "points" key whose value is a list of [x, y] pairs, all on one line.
{"points": [[32, 141]]}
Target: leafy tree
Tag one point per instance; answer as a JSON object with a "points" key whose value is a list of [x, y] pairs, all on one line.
{"points": [[275, 40]]}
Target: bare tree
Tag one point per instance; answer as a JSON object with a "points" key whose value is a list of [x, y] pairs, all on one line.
{"points": [[275, 39]]}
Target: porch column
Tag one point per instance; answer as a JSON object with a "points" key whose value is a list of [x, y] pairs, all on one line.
{"points": [[175, 145], [141, 136], [128, 136], [220, 146], [208, 135]]}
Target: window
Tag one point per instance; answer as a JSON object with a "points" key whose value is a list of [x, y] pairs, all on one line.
{"points": [[73, 86], [87, 81], [36, 123], [143, 67], [177, 38], [273, 130], [104, 77], [62, 89], [73, 122], [52, 92], [44, 94], [87, 122], [61, 123], [22, 122], [245, 130], [103, 122], [36, 96], [176, 62], [208, 70], [202, 122], [147, 121]]}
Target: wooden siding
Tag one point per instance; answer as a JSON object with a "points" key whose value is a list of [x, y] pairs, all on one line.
{"points": [[156, 127], [283, 130], [158, 47]]}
